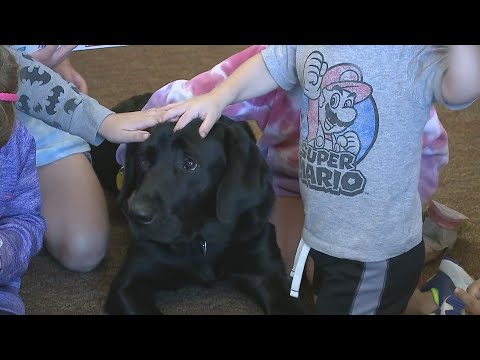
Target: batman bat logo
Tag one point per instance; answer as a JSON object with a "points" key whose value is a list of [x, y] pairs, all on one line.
{"points": [[23, 101], [34, 75], [54, 99], [38, 108], [70, 106]]}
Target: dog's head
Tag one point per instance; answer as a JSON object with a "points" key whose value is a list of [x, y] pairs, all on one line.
{"points": [[176, 182]]}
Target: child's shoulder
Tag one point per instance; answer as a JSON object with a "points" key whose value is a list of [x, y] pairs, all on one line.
{"points": [[20, 143]]}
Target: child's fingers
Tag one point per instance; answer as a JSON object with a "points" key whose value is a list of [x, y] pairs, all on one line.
{"points": [[79, 82], [134, 136], [472, 304], [63, 51], [184, 119], [59, 53], [173, 113], [474, 289], [169, 106], [154, 113], [48, 50], [139, 121], [207, 125], [149, 118]]}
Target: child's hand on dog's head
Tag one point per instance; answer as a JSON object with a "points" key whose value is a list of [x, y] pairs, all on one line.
{"points": [[129, 127]]}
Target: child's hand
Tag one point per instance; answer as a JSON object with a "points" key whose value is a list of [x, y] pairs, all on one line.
{"points": [[52, 55], [129, 127], [208, 107], [56, 58], [69, 73], [471, 298]]}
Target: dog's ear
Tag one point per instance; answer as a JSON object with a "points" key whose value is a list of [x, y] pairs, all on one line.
{"points": [[247, 180], [129, 175]]}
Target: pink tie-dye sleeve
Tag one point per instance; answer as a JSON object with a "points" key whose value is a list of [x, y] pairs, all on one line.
{"points": [[257, 109], [434, 156]]}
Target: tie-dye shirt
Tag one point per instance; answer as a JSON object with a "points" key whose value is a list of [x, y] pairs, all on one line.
{"points": [[278, 116], [21, 224]]}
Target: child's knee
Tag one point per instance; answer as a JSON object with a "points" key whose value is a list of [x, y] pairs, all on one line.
{"points": [[81, 252]]}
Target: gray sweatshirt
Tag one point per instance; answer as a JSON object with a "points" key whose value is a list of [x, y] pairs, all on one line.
{"points": [[45, 95], [363, 111]]}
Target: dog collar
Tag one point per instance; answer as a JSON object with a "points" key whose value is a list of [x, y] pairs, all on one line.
{"points": [[190, 247], [119, 178]]}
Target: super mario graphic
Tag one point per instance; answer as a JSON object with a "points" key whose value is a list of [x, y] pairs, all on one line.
{"points": [[339, 125]]}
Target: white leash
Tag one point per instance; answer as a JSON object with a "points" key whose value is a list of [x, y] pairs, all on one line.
{"points": [[298, 266]]}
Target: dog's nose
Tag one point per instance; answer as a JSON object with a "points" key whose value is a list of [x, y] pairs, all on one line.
{"points": [[141, 214]]}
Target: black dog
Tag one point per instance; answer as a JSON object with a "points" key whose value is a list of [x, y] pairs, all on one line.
{"points": [[198, 210], [103, 156]]}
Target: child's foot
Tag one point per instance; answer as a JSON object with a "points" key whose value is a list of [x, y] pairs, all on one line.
{"points": [[445, 217], [442, 286], [460, 278], [451, 306], [440, 229]]}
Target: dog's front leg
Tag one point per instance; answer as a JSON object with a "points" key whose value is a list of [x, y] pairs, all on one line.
{"points": [[270, 293], [133, 290], [254, 286], [263, 276], [122, 301]]}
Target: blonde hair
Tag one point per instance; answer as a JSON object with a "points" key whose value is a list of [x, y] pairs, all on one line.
{"points": [[9, 80]]}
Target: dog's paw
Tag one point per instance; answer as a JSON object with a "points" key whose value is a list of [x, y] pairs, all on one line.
{"points": [[113, 306], [116, 305]]}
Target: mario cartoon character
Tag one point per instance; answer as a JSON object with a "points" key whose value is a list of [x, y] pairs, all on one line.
{"points": [[339, 125], [333, 93]]}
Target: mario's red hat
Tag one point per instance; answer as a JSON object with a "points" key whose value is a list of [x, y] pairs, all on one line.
{"points": [[349, 77]]}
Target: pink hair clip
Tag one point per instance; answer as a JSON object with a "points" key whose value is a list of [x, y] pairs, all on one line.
{"points": [[8, 97]]}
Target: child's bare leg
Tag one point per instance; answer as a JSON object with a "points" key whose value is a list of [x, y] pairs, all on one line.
{"points": [[74, 207], [421, 303]]}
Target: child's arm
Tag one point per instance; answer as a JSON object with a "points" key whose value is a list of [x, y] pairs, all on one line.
{"points": [[434, 156], [69, 73], [249, 80], [57, 58], [45, 95], [257, 109], [461, 83], [21, 226], [52, 55]]}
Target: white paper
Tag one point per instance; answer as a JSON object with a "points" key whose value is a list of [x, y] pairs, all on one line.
{"points": [[32, 48]]}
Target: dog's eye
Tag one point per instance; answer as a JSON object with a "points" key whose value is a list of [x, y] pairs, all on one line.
{"points": [[189, 164]]}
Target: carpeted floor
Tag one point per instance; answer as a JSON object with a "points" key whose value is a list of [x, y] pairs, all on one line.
{"points": [[115, 74]]}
